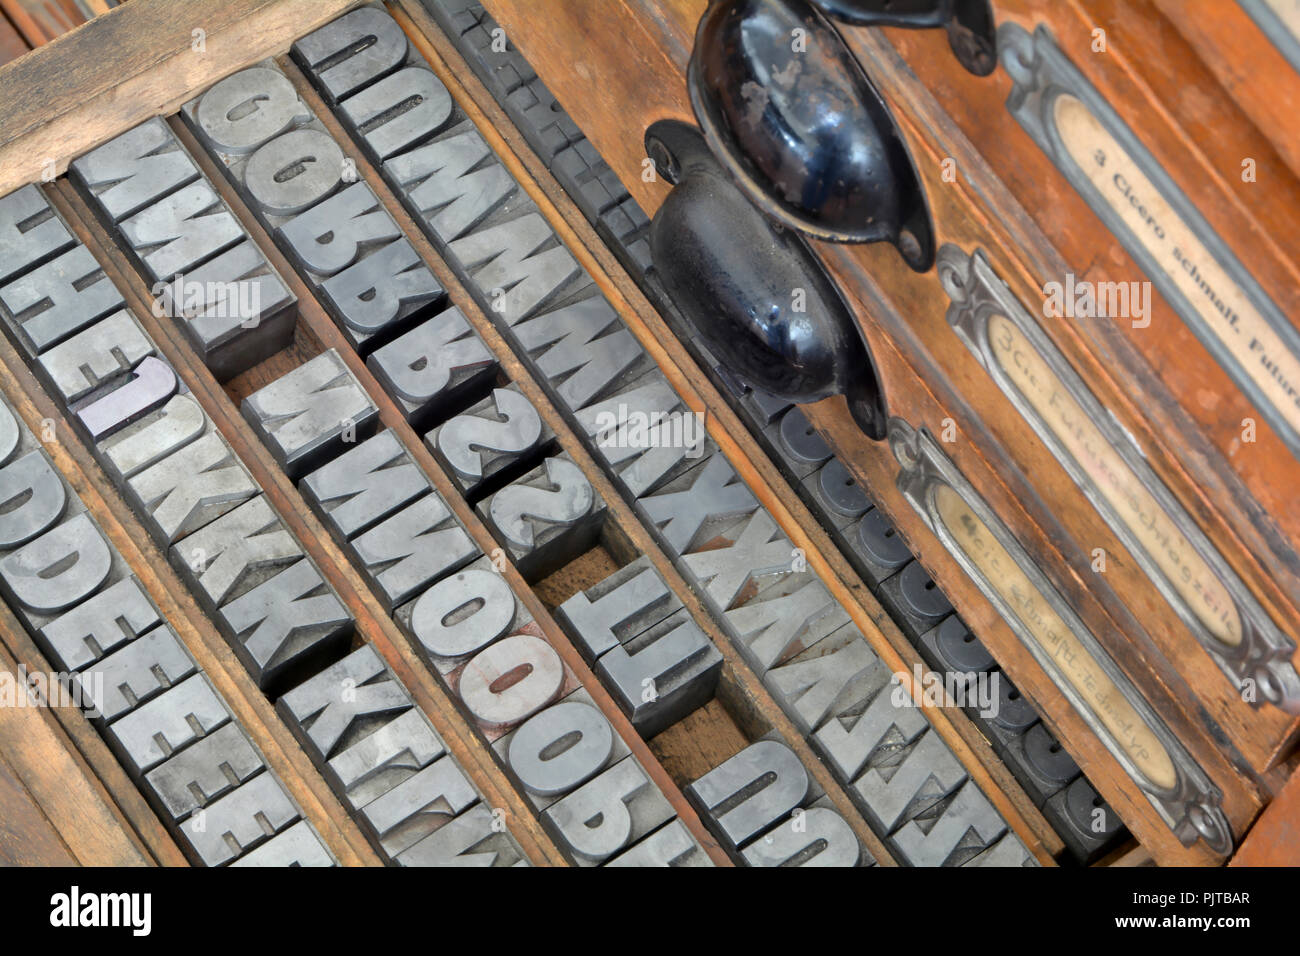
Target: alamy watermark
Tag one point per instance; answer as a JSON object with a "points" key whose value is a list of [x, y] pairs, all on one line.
{"points": [[189, 298], [73, 909], [54, 689], [1082, 299], [625, 427], [950, 689]]}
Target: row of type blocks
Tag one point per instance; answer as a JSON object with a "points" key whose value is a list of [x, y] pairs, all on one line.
{"points": [[587, 359], [471, 628], [426, 570], [137, 682], [201, 507], [863, 533], [1049, 775]]}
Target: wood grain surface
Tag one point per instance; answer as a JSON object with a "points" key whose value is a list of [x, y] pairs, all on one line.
{"points": [[1160, 382]]}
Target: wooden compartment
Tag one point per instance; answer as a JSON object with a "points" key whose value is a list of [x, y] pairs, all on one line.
{"points": [[1210, 139], [930, 378], [1063, 564]]}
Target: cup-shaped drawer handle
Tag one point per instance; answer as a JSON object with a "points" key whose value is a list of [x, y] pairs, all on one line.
{"points": [[790, 114], [751, 289]]}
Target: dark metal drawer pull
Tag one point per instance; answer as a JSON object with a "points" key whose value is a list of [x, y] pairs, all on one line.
{"points": [[752, 290]]}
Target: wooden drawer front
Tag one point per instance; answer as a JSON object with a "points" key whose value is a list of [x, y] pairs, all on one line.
{"points": [[1264, 731], [1222, 185]]}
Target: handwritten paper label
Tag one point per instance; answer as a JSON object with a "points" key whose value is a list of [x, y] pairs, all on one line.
{"points": [[1155, 531], [1071, 659], [1287, 11], [1226, 310]]}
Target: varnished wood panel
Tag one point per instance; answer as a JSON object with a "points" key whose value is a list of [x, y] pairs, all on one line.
{"points": [[90, 747], [1249, 68], [27, 838], [40, 21], [71, 798], [12, 44], [1161, 382], [1275, 838]]}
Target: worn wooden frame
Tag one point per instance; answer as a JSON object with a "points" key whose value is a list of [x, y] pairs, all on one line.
{"points": [[140, 60]]}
